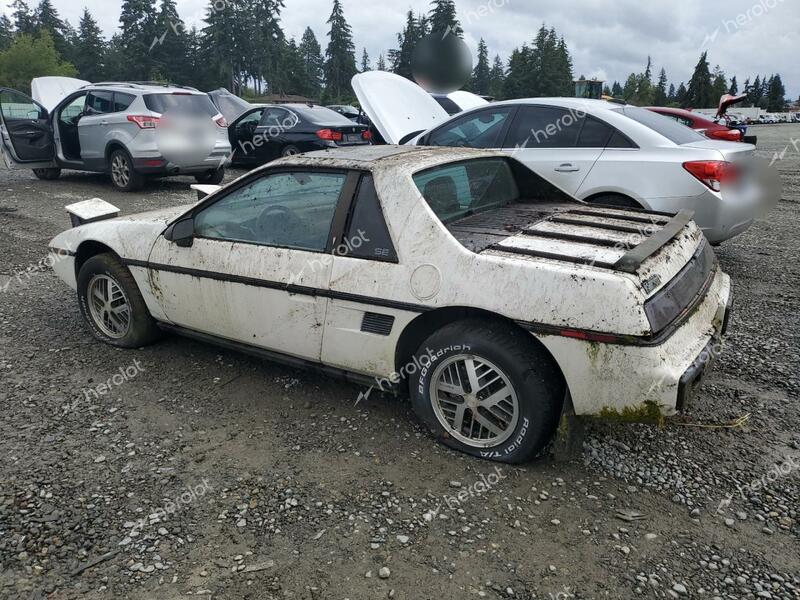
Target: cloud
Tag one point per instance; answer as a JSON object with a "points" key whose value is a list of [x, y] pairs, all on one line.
{"points": [[753, 37]]}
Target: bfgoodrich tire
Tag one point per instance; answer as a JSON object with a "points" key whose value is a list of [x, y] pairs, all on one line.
{"points": [[486, 389], [112, 305]]}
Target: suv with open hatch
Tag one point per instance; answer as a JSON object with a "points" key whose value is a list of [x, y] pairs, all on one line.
{"points": [[107, 128]]}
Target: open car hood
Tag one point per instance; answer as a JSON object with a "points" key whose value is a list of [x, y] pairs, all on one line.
{"points": [[396, 106], [467, 100], [49, 91], [726, 101]]}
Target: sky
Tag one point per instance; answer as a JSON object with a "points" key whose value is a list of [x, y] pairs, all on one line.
{"points": [[608, 39]]}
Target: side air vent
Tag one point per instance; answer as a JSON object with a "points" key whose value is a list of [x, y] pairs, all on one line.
{"points": [[377, 323]]}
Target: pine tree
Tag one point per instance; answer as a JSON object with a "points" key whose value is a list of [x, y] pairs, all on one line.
{"points": [[616, 90], [340, 60], [543, 69], [516, 84], [24, 19], [671, 93], [481, 74], [719, 85], [497, 78], [170, 48], [47, 19], [365, 66], [311, 53], [6, 32], [381, 66], [660, 94], [776, 94], [401, 58], [222, 55], [700, 92], [680, 95], [137, 36], [443, 19], [90, 49], [264, 49], [734, 89]]}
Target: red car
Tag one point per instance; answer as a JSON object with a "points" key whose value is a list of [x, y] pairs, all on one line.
{"points": [[696, 121]]}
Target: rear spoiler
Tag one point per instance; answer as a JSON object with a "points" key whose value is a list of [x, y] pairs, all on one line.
{"points": [[671, 224]]}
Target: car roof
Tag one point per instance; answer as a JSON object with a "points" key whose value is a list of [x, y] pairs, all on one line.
{"points": [[407, 158], [148, 87], [586, 104]]}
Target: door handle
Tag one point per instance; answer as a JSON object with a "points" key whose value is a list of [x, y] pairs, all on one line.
{"points": [[103, 122], [567, 168]]}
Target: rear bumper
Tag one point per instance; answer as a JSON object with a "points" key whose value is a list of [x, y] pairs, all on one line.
{"points": [[627, 380], [159, 166]]}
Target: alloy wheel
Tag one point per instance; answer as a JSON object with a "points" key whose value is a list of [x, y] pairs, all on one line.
{"points": [[120, 172], [109, 306], [474, 401]]}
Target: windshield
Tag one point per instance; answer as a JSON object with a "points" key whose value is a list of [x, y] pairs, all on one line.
{"points": [[190, 103], [669, 128], [456, 190]]}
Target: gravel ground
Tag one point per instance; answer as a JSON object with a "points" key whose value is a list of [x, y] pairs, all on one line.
{"points": [[205, 473]]}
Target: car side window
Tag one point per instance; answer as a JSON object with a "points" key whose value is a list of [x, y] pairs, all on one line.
{"points": [[73, 110], [290, 209], [620, 141], [14, 105], [122, 101], [481, 129], [545, 127], [278, 117], [367, 234], [594, 134], [100, 102]]}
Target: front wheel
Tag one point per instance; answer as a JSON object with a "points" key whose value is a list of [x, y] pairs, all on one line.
{"points": [[48, 174], [213, 177], [486, 389], [112, 305]]}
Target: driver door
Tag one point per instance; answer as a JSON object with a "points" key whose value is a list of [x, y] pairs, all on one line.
{"points": [[259, 264], [26, 138]]}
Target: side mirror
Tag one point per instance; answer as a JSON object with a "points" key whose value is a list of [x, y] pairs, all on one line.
{"points": [[181, 232]]}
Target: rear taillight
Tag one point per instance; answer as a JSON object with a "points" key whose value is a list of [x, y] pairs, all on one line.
{"points": [[330, 135], [220, 120], [713, 173], [729, 135], [144, 122], [366, 135]]}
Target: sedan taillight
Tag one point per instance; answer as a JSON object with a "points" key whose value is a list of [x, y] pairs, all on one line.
{"points": [[712, 173], [366, 135], [729, 135], [220, 121], [330, 135], [144, 122]]}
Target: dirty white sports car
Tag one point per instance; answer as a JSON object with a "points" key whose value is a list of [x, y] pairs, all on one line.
{"points": [[497, 300]]}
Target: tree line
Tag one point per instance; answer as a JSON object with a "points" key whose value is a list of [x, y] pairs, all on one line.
{"points": [[242, 46], [703, 90]]}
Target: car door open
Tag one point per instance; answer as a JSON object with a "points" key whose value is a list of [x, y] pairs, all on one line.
{"points": [[255, 265], [26, 136]]}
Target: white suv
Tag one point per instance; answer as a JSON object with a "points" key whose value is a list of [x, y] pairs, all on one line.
{"points": [[108, 128]]}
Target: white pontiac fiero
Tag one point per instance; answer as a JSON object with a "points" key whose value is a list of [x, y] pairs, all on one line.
{"points": [[499, 301]]}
